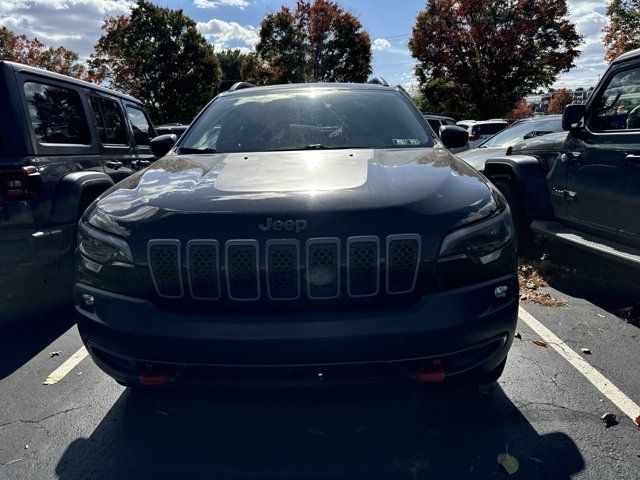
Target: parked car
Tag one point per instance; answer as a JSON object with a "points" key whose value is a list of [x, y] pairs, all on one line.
{"points": [[167, 128], [581, 186], [481, 131], [519, 131], [63, 142], [311, 233], [437, 121]]}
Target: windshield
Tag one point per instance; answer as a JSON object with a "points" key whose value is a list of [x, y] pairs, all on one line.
{"points": [[517, 132], [305, 119]]}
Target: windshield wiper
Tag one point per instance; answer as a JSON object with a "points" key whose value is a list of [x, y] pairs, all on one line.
{"points": [[196, 151]]}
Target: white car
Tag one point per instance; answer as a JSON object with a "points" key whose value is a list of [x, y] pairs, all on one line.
{"points": [[483, 130]]}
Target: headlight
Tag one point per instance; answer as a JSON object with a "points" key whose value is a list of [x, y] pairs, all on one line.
{"points": [[101, 247], [482, 242]]}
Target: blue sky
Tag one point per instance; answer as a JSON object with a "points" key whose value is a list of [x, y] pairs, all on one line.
{"points": [[234, 23]]}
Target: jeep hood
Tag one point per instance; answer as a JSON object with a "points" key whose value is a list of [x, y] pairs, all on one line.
{"points": [[427, 181]]}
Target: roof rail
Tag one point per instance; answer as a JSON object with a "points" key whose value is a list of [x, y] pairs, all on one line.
{"points": [[240, 86], [378, 81]]}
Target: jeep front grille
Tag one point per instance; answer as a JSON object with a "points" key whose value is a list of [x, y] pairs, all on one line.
{"points": [[288, 268]]}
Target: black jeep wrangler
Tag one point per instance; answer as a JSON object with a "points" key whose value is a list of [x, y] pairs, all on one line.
{"points": [[62, 143], [300, 233], [582, 185]]}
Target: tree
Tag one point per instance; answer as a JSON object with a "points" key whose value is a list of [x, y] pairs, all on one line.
{"points": [[520, 111], [30, 51], [560, 99], [157, 55], [485, 55], [231, 66], [623, 31], [318, 41]]}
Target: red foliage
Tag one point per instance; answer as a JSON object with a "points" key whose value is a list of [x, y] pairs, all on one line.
{"points": [[560, 99], [521, 110]]}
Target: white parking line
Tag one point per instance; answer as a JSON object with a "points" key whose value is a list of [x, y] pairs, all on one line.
{"points": [[613, 393], [60, 372]]}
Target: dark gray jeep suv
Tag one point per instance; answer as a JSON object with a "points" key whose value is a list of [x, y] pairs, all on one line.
{"points": [[305, 234]]}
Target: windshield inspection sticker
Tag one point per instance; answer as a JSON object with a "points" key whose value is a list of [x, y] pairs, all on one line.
{"points": [[405, 141]]}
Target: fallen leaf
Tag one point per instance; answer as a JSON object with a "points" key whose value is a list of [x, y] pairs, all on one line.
{"points": [[26, 447], [637, 421], [540, 343], [536, 460], [509, 463], [609, 419], [586, 351], [531, 286], [54, 354], [518, 336]]}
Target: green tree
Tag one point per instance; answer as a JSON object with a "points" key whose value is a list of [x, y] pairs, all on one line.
{"points": [[157, 55], [623, 31], [231, 66], [318, 41], [30, 51], [478, 58]]}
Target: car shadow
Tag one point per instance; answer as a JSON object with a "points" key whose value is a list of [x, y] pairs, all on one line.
{"points": [[318, 433], [612, 286], [23, 337]]}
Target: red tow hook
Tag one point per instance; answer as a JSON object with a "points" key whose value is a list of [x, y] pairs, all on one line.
{"points": [[434, 375], [149, 377]]}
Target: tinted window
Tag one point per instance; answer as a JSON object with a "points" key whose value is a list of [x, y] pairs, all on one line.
{"points": [[517, 131], [142, 131], [56, 114], [435, 124], [109, 121], [308, 118], [488, 128], [619, 106]]}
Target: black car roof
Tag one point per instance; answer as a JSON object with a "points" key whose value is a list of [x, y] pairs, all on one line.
{"points": [[19, 67], [308, 86]]}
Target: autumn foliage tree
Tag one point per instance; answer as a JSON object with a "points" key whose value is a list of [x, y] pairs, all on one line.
{"points": [[157, 55], [520, 111], [30, 51], [560, 99], [318, 41], [623, 31], [477, 58]]}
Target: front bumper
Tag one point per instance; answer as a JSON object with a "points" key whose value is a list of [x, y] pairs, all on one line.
{"points": [[457, 333]]}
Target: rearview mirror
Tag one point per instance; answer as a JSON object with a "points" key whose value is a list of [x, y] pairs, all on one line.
{"points": [[161, 144], [573, 117], [453, 136]]}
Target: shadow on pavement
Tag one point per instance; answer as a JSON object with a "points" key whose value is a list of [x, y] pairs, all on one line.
{"points": [[364, 433], [22, 338]]}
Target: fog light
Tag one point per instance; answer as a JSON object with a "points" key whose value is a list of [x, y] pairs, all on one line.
{"points": [[501, 291], [88, 300]]}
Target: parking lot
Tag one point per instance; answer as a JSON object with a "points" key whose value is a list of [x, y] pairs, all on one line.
{"points": [[545, 411]]}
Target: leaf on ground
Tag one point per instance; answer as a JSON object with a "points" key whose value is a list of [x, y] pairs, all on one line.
{"points": [[54, 354], [637, 421], [609, 419], [518, 336], [540, 343], [509, 463], [586, 351]]}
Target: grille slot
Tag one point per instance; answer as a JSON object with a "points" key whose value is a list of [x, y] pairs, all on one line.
{"points": [[363, 266], [403, 255], [165, 265], [203, 269], [283, 269], [323, 268], [242, 265]]}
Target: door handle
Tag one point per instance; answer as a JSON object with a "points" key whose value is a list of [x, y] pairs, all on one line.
{"points": [[571, 157], [633, 158], [114, 164], [141, 163]]}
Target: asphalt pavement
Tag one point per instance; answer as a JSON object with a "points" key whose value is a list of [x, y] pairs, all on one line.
{"points": [[545, 411]]}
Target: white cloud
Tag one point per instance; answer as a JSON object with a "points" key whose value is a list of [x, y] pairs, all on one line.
{"points": [[216, 3], [220, 33], [381, 44], [74, 23]]}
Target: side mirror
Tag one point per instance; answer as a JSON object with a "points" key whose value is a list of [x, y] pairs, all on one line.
{"points": [[573, 117], [453, 136], [161, 144]]}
